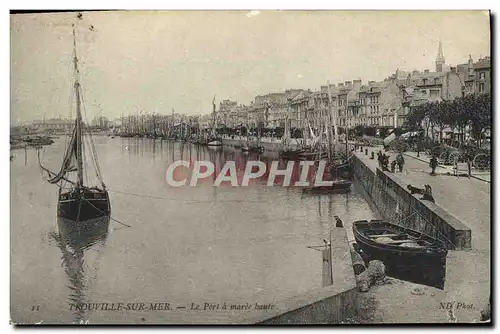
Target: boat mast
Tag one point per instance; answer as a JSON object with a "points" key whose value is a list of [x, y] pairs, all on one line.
{"points": [[214, 132], [154, 126], [329, 133], [334, 120], [78, 117], [286, 135], [171, 129], [248, 127]]}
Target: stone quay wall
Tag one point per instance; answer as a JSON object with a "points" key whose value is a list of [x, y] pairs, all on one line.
{"points": [[396, 204]]}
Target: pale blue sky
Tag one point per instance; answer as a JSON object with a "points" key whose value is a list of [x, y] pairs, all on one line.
{"points": [[156, 61]]}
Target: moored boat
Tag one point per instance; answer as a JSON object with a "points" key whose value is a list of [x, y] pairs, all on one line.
{"points": [[338, 186], [290, 154], [343, 170], [79, 201], [407, 254], [310, 155], [214, 143], [252, 148]]}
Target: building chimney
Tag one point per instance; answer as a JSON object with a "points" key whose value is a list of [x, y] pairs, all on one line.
{"points": [[356, 84]]}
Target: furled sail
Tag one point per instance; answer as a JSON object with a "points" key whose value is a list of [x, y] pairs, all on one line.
{"points": [[314, 138], [67, 165]]}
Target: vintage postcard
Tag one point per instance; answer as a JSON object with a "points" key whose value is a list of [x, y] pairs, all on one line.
{"points": [[250, 167]]}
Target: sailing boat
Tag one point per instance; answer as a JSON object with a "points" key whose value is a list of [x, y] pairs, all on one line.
{"points": [[214, 141], [78, 202], [249, 146], [287, 150], [339, 183]]}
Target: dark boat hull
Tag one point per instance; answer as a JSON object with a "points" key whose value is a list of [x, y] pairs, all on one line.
{"points": [[344, 171], [83, 205], [311, 155], [338, 187], [254, 149], [290, 154], [418, 265]]}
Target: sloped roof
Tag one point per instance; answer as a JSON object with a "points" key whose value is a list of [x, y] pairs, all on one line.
{"points": [[483, 63]]}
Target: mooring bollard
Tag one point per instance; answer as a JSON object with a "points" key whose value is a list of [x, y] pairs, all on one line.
{"points": [[372, 156], [366, 151]]}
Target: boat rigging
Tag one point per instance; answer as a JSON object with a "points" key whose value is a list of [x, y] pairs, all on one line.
{"points": [[79, 200]]}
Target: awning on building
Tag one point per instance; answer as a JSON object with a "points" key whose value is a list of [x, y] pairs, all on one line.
{"points": [[389, 139]]}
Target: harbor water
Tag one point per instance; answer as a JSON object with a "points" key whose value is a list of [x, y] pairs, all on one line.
{"points": [[185, 245]]}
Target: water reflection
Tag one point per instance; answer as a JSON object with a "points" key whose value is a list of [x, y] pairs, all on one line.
{"points": [[75, 240], [216, 243]]}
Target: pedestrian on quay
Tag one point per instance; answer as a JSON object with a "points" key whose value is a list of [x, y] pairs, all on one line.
{"points": [[393, 166], [400, 161], [428, 194], [379, 158], [433, 164], [385, 162]]}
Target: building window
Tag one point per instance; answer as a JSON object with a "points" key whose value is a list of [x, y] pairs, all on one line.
{"points": [[482, 75], [481, 87]]}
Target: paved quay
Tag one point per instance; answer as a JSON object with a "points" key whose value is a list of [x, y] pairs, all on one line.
{"points": [[468, 272], [476, 174]]}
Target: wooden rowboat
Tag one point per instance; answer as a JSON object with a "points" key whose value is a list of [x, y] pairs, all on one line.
{"points": [[339, 186], [407, 254]]}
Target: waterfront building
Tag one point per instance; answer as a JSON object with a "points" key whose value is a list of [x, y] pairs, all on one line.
{"points": [[100, 121], [51, 125], [351, 109], [299, 109], [225, 112], [273, 109], [383, 104], [482, 76], [205, 121], [467, 70]]}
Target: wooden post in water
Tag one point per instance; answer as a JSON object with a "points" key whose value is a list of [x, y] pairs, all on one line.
{"points": [[327, 263], [327, 266]]}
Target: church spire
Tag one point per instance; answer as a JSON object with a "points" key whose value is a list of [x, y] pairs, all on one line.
{"points": [[440, 58]]}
